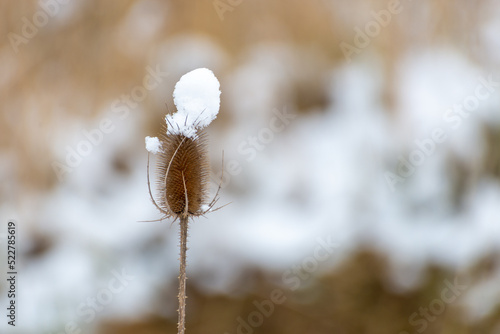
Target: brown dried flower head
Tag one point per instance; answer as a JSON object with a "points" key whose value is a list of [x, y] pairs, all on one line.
{"points": [[183, 175], [183, 168]]}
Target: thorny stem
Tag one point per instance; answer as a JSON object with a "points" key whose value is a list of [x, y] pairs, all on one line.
{"points": [[181, 324]]}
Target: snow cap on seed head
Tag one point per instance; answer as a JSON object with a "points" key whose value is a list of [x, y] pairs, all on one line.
{"points": [[197, 98]]}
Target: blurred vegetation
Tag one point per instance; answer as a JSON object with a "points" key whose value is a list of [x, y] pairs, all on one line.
{"points": [[357, 298], [72, 69], [74, 66]]}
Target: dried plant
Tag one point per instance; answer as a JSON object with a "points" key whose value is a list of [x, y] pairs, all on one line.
{"points": [[183, 168]]}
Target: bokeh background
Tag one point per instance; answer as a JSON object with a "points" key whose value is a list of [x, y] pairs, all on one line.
{"points": [[315, 217]]}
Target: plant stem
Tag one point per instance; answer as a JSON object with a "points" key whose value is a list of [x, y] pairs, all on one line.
{"points": [[181, 324]]}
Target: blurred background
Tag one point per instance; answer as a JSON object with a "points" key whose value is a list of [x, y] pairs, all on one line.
{"points": [[361, 148]]}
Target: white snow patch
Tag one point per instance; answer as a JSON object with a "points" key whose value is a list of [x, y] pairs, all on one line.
{"points": [[153, 144], [197, 98]]}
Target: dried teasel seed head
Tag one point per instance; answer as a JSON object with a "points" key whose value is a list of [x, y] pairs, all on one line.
{"points": [[183, 174], [183, 169]]}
